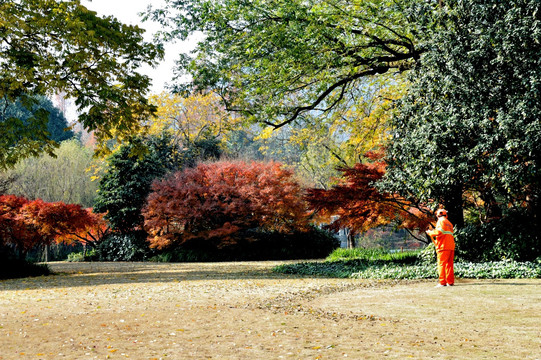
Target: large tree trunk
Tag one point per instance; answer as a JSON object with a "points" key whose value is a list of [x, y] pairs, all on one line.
{"points": [[454, 206]]}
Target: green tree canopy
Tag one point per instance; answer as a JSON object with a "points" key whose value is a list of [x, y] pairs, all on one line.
{"points": [[52, 46], [63, 178], [56, 126], [468, 134], [275, 61], [126, 183]]}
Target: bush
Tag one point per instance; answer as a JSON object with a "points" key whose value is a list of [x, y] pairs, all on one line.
{"points": [[221, 200], [427, 255], [124, 247], [11, 269], [80, 256], [513, 237]]}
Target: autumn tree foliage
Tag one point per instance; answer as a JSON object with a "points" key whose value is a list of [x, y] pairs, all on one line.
{"points": [[213, 201], [190, 119], [25, 224], [14, 231], [60, 222], [360, 206]]}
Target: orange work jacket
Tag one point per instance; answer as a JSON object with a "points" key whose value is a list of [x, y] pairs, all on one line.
{"points": [[443, 235]]}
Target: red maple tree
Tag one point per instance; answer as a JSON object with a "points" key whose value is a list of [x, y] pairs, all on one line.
{"points": [[358, 205], [14, 231], [59, 222], [26, 224], [216, 200]]}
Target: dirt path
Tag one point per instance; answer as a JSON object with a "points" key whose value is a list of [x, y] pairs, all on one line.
{"points": [[244, 311]]}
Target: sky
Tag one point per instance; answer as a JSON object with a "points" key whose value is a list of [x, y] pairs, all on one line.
{"points": [[127, 12]]}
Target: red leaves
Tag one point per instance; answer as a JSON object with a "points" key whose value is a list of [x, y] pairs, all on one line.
{"points": [[13, 229], [26, 224], [216, 200], [360, 205]]}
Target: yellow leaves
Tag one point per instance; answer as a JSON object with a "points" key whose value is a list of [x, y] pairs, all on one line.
{"points": [[267, 133], [188, 119]]}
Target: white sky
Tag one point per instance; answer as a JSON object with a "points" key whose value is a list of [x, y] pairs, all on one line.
{"points": [[127, 12]]}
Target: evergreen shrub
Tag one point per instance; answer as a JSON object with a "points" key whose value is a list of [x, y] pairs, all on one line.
{"points": [[513, 237], [124, 247]]}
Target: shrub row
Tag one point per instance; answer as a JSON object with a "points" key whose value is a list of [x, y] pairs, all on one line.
{"points": [[406, 257]]}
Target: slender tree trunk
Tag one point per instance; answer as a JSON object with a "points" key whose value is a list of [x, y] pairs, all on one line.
{"points": [[46, 253], [351, 239], [492, 209], [22, 254]]}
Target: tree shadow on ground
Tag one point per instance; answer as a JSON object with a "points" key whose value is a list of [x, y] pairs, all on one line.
{"points": [[66, 275]]}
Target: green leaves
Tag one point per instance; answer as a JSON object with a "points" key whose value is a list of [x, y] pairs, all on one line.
{"points": [[62, 46], [466, 127], [123, 189], [277, 61], [359, 269]]}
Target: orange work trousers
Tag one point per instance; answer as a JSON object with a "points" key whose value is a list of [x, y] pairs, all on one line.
{"points": [[445, 267]]}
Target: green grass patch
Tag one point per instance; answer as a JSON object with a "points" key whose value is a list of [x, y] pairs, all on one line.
{"points": [[406, 257], [409, 265]]}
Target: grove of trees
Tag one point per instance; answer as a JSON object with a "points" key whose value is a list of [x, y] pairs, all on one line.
{"points": [[465, 134], [377, 111]]}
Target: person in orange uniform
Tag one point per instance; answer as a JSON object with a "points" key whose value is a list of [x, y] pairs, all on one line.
{"points": [[443, 239]]}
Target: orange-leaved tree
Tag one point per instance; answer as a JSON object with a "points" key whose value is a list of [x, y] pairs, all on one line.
{"points": [[213, 201], [25, 224], [14, 231], [60, 222], [359, 205]]}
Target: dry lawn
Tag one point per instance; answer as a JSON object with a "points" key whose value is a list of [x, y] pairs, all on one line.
{"points": [[244, 311]]}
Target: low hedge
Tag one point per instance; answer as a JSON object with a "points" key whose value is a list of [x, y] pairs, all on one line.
{"points": [[12, 269], [402, 257]]}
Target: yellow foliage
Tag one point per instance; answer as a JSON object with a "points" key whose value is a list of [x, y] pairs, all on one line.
{"points": [[266, 133], [189, 119], [342, 137]]}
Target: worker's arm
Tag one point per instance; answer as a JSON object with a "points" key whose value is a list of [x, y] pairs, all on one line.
{"points": [[437, 230]]}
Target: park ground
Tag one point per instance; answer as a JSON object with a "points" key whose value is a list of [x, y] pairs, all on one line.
{"points": [[245, 311]]}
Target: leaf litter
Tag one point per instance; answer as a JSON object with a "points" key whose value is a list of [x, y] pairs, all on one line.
{"points": [[245, 311]]}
